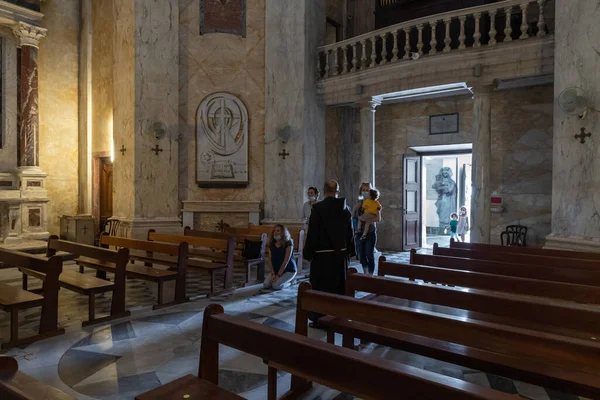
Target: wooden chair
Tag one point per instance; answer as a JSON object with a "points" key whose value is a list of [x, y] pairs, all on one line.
{"points": [[208, 254], [514, 235], [562, 363], [240, 259], [502, 283], [309, 360], [177, 263], [13, 299], [539, 272], [548, 261], [15, 385], [533, 251]]}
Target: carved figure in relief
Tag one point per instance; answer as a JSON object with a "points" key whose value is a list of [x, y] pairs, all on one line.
{"points": [[445, 186]]}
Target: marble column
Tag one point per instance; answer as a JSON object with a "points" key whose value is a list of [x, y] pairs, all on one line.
{"points": [[146, 115], [29, 37], [576, 165], [367, 140], [293, 31], [482, 155]]}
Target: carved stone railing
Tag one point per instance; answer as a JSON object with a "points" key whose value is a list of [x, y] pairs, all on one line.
{"points": [[475, 28]]}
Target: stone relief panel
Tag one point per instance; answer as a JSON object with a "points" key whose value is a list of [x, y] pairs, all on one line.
{"points": [[222, 141]]}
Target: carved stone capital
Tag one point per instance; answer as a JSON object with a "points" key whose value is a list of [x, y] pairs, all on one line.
{"points": [[29, 35], [369, 104]]}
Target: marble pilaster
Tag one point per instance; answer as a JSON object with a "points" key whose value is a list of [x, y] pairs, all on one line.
{"points": [[482, 152], [576, 182], [367, 140], [294, 30], [145, 91]]}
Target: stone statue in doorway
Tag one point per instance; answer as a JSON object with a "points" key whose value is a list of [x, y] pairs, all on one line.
{"points": [[445, 186]]}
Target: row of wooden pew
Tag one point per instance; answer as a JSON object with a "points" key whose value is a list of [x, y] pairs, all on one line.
{"points": [[475, 312]]}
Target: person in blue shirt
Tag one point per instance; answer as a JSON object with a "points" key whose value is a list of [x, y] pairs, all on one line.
{"points": [[281, 264]]}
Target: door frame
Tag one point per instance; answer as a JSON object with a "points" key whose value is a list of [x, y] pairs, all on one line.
{"points": [[96, 164]]}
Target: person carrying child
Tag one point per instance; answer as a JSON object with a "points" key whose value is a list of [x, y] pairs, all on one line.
{"points": [[372, 208], [453, 226]]}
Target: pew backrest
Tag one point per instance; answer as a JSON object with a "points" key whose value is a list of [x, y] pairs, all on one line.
{"points": [[15, 385], [549, 261], [536, 251], [144, 245], [363, 375], [119, 257], [239, 237]]}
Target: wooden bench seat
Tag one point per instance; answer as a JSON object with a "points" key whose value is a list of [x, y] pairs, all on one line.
{"points": [[191, 386], [536, 251], [15, 385], [13, 299], [517, 258], [562, 363], [501, 283], [311, 360], [239, 257], [223, 248], [540, 272], [147, 272]]}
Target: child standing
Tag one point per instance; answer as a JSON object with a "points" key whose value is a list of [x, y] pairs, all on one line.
{"points": [[453, 226], [463, 224], [371, 207]]}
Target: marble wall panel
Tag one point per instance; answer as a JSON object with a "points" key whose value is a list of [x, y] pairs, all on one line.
{"points": [[211, 221], [102, 75], [9, 151], [221, 62], [58, 63], [576, 182], [342, 135], [521, 171]]}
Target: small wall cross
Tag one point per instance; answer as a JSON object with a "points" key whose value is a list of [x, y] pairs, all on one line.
{"points": [[583, 135], [156, 150], [123, 150], [283, 154], [85, 229]]}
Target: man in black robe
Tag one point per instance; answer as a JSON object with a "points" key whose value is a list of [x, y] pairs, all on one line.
{"points": [[329, 243]]}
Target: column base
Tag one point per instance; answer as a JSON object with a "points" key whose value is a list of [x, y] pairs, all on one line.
{"points": [[137, 228], [574, 243]]}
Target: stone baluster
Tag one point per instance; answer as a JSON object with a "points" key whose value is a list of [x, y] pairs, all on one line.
{"points": [[345, 60], [541, 21], [354, 57], [420, 40], [508, 30], [395, 49], [477, 34], [524, 24], [462, 37], [493, 31], [373, 51], [327, 63], [319, 74], [384, 52], [406, 42], [363, 58], [29, 37], [335, 61], [447, 38], [433, 42]]}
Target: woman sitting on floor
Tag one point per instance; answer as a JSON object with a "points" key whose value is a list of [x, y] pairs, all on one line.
{"points": [[281, 264]]}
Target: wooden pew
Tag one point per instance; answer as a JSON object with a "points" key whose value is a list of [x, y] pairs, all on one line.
{"points": [[214, 255], [13, 299], [562, 363], [297, 234], [541, 272], [176, 272], [547, 315], [548, 261], [534, 251], [310, 360], [240, 258], [501, 283], [15, 385]]}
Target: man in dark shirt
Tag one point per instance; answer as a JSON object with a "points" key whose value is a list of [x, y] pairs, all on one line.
{"points": [[329, 243]]}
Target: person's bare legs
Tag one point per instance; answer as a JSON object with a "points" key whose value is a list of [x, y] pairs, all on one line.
{"points": [[462, 237]]}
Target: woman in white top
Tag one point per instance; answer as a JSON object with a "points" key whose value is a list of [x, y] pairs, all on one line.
{"points": [[463, 224], [313, 196]]}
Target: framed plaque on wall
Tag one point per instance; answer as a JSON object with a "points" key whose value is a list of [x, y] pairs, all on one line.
{"points": [[443, 124]]}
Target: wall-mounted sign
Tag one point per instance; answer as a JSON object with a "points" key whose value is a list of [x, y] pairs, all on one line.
{"points": [[443, 123], [223, 16]]}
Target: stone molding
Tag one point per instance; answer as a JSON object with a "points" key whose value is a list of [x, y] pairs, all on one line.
{"points": [[575, 243], [11, 13], [29, 35], [221, 206]]}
